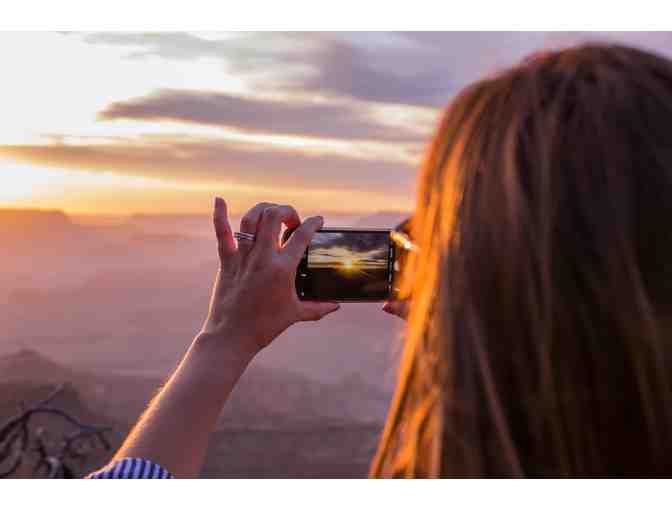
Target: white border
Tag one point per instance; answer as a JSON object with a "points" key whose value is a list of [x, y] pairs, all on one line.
{"points": [[336, 15], [336, 495]]}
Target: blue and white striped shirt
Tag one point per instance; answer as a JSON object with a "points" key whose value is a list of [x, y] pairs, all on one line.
{"points": [[131, 468]]}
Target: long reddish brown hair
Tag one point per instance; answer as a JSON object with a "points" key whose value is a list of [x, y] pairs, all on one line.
{"points": [[539, 337]]}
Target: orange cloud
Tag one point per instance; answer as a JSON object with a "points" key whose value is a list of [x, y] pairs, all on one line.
{"points": [[215, 161]]}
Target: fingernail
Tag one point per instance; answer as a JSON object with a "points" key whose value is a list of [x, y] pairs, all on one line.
{"points": [[218, 202]]}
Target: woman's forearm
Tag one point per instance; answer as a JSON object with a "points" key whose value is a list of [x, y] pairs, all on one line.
{"points": [[175, 429]]}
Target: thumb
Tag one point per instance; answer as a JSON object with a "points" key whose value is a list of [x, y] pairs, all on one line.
{"points": [[398, 308], [301, 237], [316, 310]]}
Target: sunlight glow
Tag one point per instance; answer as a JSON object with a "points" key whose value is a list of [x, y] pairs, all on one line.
{"points": [[55, 102], [17, 184], [83, 192], [32, 186]]}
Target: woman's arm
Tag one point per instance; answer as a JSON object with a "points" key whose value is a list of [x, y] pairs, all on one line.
{"points": [[253, 301], [175, 429]]}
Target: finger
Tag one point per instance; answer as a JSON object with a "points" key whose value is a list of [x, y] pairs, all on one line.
{"points": [[398, 308], [297, 244], [225, 243], [249, 224], [316, 310], [268, 233], [250, 221]]}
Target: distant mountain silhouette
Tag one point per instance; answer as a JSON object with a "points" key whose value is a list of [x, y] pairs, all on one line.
{"points": [[118, 304], [167, 224], [109, 308], [30, 365], [274, 425], [264, 398], [30, 368], [34, 221], [34, 217]]}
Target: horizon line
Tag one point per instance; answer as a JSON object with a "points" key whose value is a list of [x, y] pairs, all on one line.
{"points": [[132, 214]]}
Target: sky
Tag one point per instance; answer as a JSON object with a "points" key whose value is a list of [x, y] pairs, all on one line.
{"points": [[338, 250], [121, 123]]}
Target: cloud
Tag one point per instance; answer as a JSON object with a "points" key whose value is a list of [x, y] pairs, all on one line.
{"points": [[273, 59], [397, 71], [405, 68], [409, 68], [345, 121], [411, 79], [243, 47], [211, 161]]}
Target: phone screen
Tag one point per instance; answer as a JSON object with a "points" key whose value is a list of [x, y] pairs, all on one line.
{"points": [[347, 265]]}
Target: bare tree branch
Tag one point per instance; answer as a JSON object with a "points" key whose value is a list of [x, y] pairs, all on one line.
{"points": [[16, 440]]}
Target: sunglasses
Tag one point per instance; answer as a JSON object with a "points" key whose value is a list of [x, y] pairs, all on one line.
{"points": [[401, 236]]}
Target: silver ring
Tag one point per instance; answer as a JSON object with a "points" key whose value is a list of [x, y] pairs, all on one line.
{"points": [[244, 236]]}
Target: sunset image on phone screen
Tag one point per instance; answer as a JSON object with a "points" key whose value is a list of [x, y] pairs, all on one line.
{"points": [[349, 264]]}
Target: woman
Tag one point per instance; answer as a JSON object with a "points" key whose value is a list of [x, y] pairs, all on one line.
{"points": [[537, 340]]}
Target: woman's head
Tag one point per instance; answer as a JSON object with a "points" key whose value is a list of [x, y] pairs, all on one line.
{"points": [[536, 341]]}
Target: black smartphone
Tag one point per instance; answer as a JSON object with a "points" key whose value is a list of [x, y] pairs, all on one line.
{"points": [[346, 264]]}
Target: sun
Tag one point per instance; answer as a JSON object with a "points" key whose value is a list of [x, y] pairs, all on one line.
{"points": [[349, 264]]}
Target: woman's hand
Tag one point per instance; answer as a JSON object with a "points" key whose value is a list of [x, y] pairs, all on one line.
{"points": [[398, 308], [254, 298]]}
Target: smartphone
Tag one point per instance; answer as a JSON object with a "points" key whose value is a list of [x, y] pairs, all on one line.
{"points": [[346, 264]]}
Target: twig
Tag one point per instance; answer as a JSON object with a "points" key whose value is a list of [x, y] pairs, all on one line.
{"points": [[16, 438]]}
